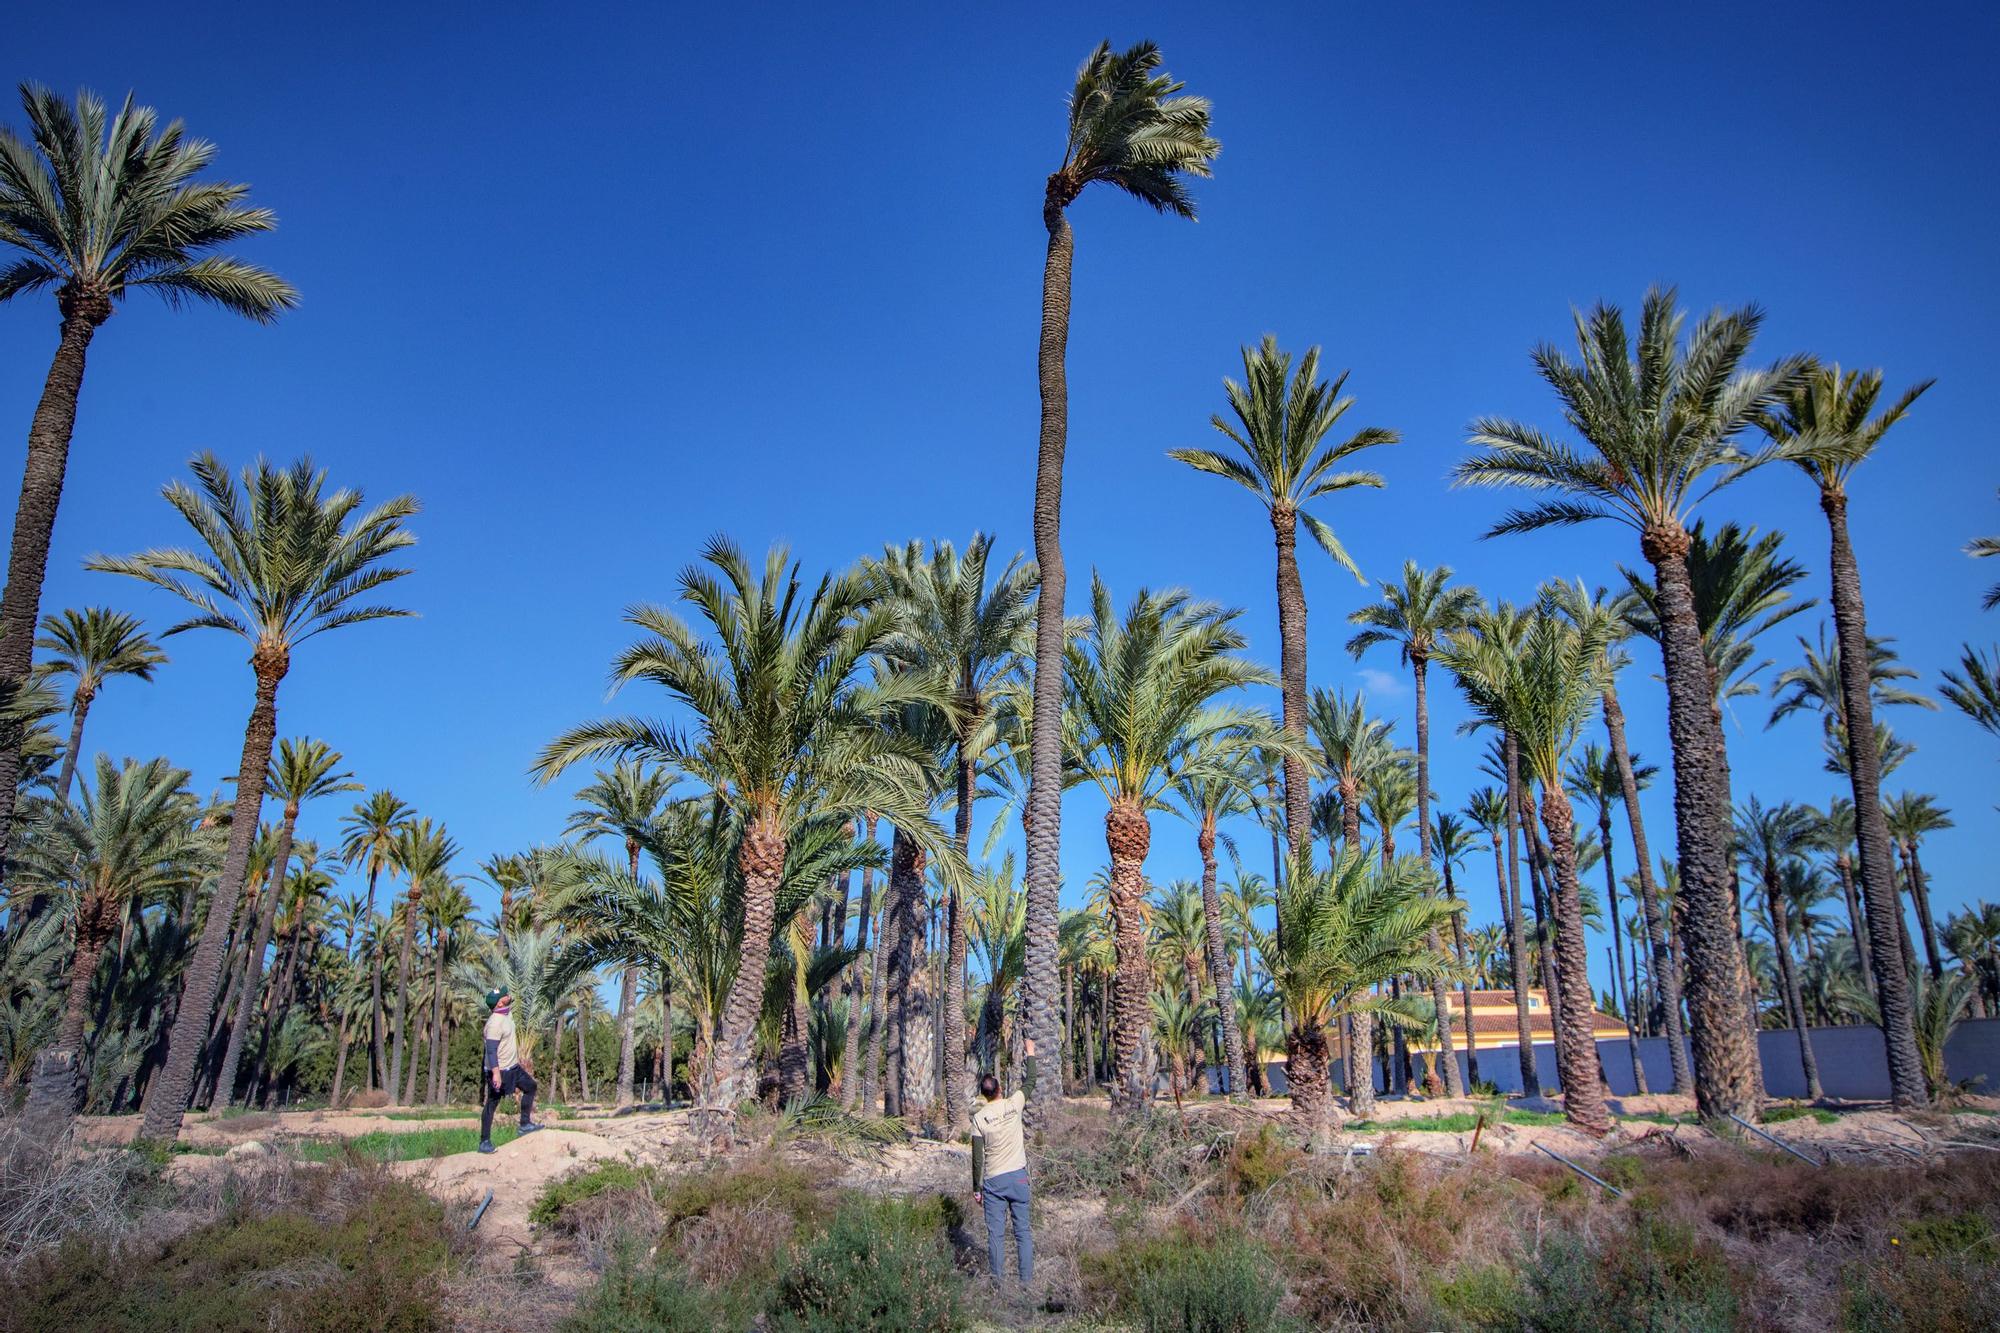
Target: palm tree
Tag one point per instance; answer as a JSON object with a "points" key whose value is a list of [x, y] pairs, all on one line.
{"points": [[284, 560], [623, 803], [1979, 548], [422, 854], [302, 771], [1823, 424], [783, 724], [1128, 128], [1909, 817], [1767, 840], [93, 645], [368, 839], [1451, 842], [1662, 426], [1218, 787], [95, 210], [1144, 693], [1418, 615], [1348, 928], [129, 839], [447, 909], [974, 634], [1556, 679], [1594, 778], [1282, 421], [1976, 692]]}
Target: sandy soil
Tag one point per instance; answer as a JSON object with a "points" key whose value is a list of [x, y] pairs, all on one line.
{"points": [[515, 1172]]}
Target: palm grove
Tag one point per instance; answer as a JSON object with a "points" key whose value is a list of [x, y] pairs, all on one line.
{"points": [[782, 890]]}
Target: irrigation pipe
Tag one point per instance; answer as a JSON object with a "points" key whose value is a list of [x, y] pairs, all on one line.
{"points": [[1772, 1139], [480, 1212], [1616, 1193]]}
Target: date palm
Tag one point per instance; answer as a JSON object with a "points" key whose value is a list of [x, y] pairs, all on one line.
{"points": [[1146, 691], [1208, 794], [1909, 818], [782, 714], [1974, 689], [1282, 420], [1979, 548], [95, 207], [1768, 839], [1348, 928], [1544, 698], [973, 632], [303, 770], [1659, 425], [281, 560], [1594, 779], [368, 841], [93, 645], [1742, 588], [1130, 128], [623, 803], [1828, 425], [422, 855], [130, 838]]}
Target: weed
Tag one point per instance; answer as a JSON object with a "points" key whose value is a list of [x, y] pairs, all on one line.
{"points": [[1225, 1285], [879, 1265], [587, 1182], [634, 1296], [384, 1145], [1658, 1274], [1778, 1115]]}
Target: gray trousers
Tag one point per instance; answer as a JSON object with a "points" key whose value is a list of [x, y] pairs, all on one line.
{"points": [[1005, 1196]]}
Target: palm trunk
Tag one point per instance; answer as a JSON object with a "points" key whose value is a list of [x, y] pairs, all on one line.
{"points": [[1871, 831], [957, 1091], [628, 1006], [1727, 1074], [1128, 835], [1920, 898], [874, 1092], [1218, 956], [1788, 979], [438, 1051], [253, 967], [1292, 670], [35, 520], [339, 1063], [79, 708], [402, 1037], [59, 1069], [163, 1117], [582, 1053], [1308, 1076], [1666, 970], [378, 1061], [1043, 816], [1454, 1083], [1618, 949], [1575, 1015], [274, 1017], [1360, 1071], [852, 1078], [1843, 864], [1517, 928], [762, 861], [912, 1073], [794, 1062], [1465, 986]]}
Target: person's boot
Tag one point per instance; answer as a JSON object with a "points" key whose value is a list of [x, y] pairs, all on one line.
{"points": [[486, 1145], [529, 1127]]}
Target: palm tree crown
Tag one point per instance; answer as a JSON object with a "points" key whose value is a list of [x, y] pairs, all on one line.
{"points": [[1128, 128]]}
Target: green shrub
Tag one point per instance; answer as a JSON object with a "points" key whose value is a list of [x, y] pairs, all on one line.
{"points": [[636, 1297], [1950, 1236], [1657, 1275], [587, 1182], [772, 1184], [880, 1264], [1259, 1161], [1489, 1296], [1224, 1286], [1779, 1115], [1920, 1295]]}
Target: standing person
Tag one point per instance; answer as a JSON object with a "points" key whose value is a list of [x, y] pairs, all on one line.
{"points": [[504, 1074], [1000, 1170]]}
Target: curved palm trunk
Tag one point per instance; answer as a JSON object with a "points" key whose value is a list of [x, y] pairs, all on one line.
{"points": [[1618, 950], [59, 1069], [1920, 897], [79, 708], [35, 520], [402, 1038], [1665, 969], [1517, 928], [957, 1091], [1128, 835], [1218, 957], [1788, 978], [1871, 831], [1043, 816], [253, 966], [168, 1099], [1575, 1016], [762, 861]]}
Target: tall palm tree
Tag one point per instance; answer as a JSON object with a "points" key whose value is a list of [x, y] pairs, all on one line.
{"points": [[1909, 817], [1214, 790], [623, 803], [1282, 420], [1833, 832], [1974, 689], [783, 723], [1145, 692], [1556, 679], [368, 840], [93, 645], [422, 856], [131, 837], [1594, 778], [96, 208], [1129, 128], [1823, 424], [447, 909], [1417, 615], [281, 560], [302, 771], [1348, 928], [1451, 842], [1659, 426], [974, 633], [1768, 839]]}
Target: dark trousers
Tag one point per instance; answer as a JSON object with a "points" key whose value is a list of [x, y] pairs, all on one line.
{"points": [[1006, 1199], [512, 1080]]}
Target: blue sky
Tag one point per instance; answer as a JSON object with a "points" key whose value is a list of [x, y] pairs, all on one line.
{"points": [[596, 285]]}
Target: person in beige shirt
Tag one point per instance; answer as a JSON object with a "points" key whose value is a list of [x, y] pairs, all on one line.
{"points": [[1000, 1170], [502, 1070]]}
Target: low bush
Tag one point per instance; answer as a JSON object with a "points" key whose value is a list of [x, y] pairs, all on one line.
{"points": [[1654, 1274], [1226, 1284], [51, 1191], [881, 1264], [771, 1184], [563, 1194], [634, 1296], [1258, 1162], [1921, 1294]]}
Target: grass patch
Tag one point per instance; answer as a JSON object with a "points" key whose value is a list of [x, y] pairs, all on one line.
{"points": [[1455, 1122], [1779, 1115], [388, 1146], [565, 1194]]}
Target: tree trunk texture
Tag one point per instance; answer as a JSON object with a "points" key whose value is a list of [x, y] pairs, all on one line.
{"points": [[912, 1049], [858, 977], [1575, 1014], [794, 1060], [162, 1121], [1128, 835], [1871, 831], [1043, 816], [378, 1055], [339, 1063], [253, 967], [402, 1044], [1618, 951], [876, 1091], [957, 1090], [1454, 1083], [1517, 926], [1218, 957], [1788, 977], [35, 520], [762, 860], [1666, 969], [79, 708], [1292, 670], [628, 1007], [1728, 1077], [59, 1078], [1465, 986], [1920, 897], [1308, 1075]]}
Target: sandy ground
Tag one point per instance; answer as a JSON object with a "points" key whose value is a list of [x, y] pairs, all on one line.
{"points": [[516, 1173]]}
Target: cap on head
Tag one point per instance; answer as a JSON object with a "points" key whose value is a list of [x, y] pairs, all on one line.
{"points": [[493, 997]]}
